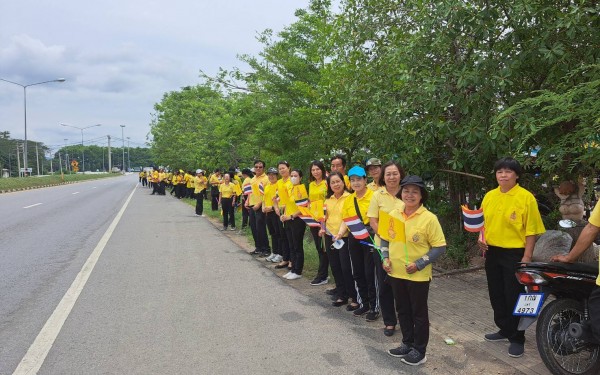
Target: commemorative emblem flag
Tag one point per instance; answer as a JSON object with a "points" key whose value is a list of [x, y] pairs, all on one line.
{"points": [[390, 228]]}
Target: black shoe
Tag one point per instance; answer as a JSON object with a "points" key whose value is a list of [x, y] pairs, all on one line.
{"points": [[318, 281], [401, 351], [256, 252], [331, 292], [389, 331], [414, 358], [339, 302], [494, 337], [361, 311], [516, 349], [372, 316], [352, 307]]}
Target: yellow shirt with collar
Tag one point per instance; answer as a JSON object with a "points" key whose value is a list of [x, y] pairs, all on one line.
{"points": [[595, 221], [373, 186], [283, 190], [199, 183], [347, 182], [227, 190], [510, 217], [270, 194], [423, 231], [296, 193], [317, 194], [383, 201], [335, 208], [349, 209], [256, 198]]}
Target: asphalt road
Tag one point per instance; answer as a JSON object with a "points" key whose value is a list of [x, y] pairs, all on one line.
{"points": [[169, 294]]}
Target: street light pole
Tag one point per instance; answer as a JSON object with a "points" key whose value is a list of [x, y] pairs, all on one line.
{"points": [[25, 110], [82, 149], [128, 160], [123, 146]]}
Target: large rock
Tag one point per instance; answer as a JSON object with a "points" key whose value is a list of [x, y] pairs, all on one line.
{"points": [[551, 243]]}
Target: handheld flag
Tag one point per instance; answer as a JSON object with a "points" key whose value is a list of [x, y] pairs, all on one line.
{"points": [[307, 217], [247, 189], [357, 228], [261, 188], [473, 219], [390, 228]]}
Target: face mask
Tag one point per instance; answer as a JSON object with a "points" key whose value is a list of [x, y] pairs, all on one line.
{"points": [[295, 180]]}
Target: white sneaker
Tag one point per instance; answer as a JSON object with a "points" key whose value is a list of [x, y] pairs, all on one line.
{"points": [[287, 275], [294, 276], [270, 257], [277, 258]]}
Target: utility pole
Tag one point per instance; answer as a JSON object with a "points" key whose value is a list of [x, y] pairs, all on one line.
{"points": [[18, 161], [109, 158], [37, 158]]}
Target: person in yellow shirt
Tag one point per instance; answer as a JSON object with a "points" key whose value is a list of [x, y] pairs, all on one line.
{"points": [[271, 210], [298, 197], [284, 185], [199, 190], [385, 200], [361, 255], [227, 196], [214, 181], [338, 164], [339, 258], [162, 176], [189, 184], [511, 223], [258, 224], [374, 170], [155, 187], [246, 190], [317, 192], [585, 240], [408, 263]]}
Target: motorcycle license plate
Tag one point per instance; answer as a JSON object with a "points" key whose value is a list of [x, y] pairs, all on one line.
{"points": [[529, 304]]}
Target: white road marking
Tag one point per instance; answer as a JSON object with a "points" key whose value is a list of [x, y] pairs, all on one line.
{"points": [[33, 205], [37, 352], [93, 187], [75, 193]]}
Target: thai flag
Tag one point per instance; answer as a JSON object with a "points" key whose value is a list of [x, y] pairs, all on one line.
{"points": [[302, 202], [357, 228], [310, 221], [261, 188], [247, 189], [473, 219]]}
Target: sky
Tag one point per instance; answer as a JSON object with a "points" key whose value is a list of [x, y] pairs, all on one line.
{"points": [[118, 57]]}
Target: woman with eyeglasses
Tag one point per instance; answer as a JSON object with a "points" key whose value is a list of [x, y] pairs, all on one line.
{"points": [[385, 199], [317, 191], [336, 242]]}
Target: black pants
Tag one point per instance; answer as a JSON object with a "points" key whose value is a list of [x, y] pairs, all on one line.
{"points": [[323, 270], [413, 313], [363, 272], [144, 181], [297, 228], [385, 294], [161, 187], [504, 289], [275, 230], [214, 200], [341, 268], [228, 214], [258, 225], [199, 204], [594, 308], [245, 213]]}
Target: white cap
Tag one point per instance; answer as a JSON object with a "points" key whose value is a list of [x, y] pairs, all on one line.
{"points": [[198, 171]]}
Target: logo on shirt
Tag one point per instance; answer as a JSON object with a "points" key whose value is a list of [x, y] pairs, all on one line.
{"points": [[513, 216], [416, 237]]}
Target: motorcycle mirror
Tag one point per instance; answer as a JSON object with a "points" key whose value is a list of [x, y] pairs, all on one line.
{"points": [[566, 223]]}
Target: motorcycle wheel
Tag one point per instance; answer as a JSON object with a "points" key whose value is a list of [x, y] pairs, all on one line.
{"points": [[562, 354]]}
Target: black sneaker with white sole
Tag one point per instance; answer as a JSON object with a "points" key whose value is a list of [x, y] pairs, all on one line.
{"points": [[317, 281], [414, 358], [372, 316], [493, 337], [361, 311], [401, 351]]}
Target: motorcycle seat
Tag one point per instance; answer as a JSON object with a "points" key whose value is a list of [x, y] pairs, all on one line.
{"points": [[566, 267]]}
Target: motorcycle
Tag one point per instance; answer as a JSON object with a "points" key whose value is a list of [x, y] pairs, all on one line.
{"points": [[563, 333]]}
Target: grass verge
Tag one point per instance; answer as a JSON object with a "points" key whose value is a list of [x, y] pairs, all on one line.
{"points": [[34, 181]]}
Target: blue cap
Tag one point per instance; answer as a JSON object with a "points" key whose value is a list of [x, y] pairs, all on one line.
{"points": [[357, 170]]}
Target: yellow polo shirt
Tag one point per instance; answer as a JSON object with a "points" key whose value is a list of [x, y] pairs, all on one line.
{"points": [[283, 189], [270, 194], [335, 209], [384, 201], [214, 180], [349, 209], [595, 221], [373, 186], [256, 196], [317, 192], [227, 190], [296, 193], [510, 217], [199, 184], [423, 231]]}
